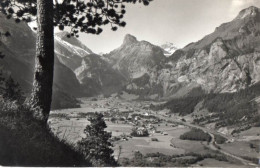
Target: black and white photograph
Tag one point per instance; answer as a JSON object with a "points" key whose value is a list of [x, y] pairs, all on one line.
{"points": [[130, 83]]}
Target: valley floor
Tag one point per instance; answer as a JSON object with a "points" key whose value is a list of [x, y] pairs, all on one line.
{"points": [[122, 115]]}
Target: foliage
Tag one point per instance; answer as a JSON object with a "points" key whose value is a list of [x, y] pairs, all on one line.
{"points": [[228, 108], [252, 159], [80, 15], [25, 141], [220, 139], [136, 132], [12, 91], [232, 108], [183, 106], [196, 135], [96, 146], [162, 160]]}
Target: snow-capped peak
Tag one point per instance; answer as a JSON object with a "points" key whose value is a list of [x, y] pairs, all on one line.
{"points": [[169, 49], [75, 49]]}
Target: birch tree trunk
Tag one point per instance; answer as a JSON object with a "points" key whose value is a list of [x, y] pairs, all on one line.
{"points": [[41, 96]]}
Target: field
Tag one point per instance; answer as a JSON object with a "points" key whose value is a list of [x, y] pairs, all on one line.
{"points": [[240, 148], [215, 163], [69, 125], [146, 145]]}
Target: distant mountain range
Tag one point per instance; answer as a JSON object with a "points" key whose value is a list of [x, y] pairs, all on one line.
{"points": [[226, 60]]}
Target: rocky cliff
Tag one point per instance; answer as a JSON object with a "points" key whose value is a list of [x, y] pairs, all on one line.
{"points": [[226, 60]]}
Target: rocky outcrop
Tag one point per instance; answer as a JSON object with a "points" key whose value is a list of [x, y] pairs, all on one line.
{"points": [[135, 58], [226, 60]]}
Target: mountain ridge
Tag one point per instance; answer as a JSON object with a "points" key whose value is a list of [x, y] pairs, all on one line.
{"points": [[226, 60]]}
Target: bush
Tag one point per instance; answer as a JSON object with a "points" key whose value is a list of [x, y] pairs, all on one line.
{"points": [[96, 147], [220, 139], [162, 160], [196, 135], [154, 139]]}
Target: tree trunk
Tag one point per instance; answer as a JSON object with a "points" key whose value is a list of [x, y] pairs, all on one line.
{"points": [[41, 97]]}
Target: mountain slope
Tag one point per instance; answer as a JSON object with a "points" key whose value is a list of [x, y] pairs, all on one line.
{"points": [[19, 50], [70, 51], [135, 58], [97, 76], [226, 60], [94, 74], [245, 24]]}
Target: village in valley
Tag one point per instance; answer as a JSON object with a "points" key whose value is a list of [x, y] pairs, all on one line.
{"points": [[137, 127], [126, 119]]}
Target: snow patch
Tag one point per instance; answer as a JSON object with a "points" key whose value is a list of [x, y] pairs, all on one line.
{"points": [[76, 50]]}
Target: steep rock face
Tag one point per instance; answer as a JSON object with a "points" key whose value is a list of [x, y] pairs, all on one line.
{"points": [[135, 58], [244, 26], [226, 60], [97, 76], [19, 51], [70, 51]]}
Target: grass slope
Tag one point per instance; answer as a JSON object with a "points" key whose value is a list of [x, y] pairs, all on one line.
{"points": [[26, 142]]}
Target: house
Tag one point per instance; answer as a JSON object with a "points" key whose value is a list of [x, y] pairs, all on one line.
{"points": [[146, 114], [140, 130]]}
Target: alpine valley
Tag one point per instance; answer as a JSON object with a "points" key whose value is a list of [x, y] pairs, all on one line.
{"points": [[212, 85]]}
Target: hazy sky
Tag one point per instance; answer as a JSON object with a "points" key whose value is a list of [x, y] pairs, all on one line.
{"points": [[176, 21]]}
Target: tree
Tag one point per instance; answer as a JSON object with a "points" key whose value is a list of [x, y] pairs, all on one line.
{"points": [[96, 146], [7, 34], [12, 91], [81, 15]]}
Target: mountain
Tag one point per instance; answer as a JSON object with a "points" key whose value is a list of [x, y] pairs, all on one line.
{"points": [[135, 58], [94, 74], [226, 60], [138, 61], [19, 51], [169, 49], [98, 77], [70, 51]]}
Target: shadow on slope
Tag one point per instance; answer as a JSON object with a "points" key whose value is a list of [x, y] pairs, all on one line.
{"points": [[26, 142]]}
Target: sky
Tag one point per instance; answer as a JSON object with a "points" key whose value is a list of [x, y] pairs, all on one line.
{"points": [[177, 21]]}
